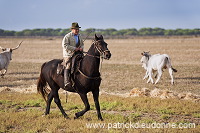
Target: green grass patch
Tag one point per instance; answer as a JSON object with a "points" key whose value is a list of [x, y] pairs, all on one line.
{"points": [[165, 116], [110, 105], [196, 115], [33, 103], [23, 113], [166, 111]]}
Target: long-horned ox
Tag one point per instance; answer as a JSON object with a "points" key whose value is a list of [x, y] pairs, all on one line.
{"points": [[5, 58], [157, 62]]}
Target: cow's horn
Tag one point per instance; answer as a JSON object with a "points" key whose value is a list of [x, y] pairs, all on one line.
{"points": [[2, 48], [17, 46]]}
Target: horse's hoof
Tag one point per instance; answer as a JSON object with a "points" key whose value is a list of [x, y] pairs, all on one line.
{"points": [[76, 116], [88, 119], [101, 119], [43, 115], [66, 117]]}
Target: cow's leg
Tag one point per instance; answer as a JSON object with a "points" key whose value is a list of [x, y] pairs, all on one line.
{"points": [[171, 75], [159, 75], [150, 76], [86, 103], [96, 101], [3, 72], [155, 74], [146, 75]]}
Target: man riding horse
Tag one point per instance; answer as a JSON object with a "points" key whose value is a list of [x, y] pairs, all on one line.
{"points": [[87, 78], [71, 43]]}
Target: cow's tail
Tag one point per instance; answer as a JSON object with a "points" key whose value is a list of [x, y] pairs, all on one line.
{"points": [[174, 70], [42, 85], [170, 65]]}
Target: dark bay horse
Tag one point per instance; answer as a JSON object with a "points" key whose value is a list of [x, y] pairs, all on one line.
{"points": [[87, 78]]}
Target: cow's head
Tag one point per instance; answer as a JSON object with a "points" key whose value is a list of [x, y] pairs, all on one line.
{"points": [[6, 49], [145, 58], [10, 50]]}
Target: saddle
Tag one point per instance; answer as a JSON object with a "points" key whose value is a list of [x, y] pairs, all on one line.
{"points": [[75, 63]]}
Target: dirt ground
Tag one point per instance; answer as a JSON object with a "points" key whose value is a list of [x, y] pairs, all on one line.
{"points": [[120, 74]]}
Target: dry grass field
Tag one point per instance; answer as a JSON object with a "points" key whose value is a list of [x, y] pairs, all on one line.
{"points": [[119, 75]]}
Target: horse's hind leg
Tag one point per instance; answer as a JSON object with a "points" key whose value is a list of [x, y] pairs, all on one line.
{"points": [[54, 90], [86, 103], [57, 101], [49, 100]]}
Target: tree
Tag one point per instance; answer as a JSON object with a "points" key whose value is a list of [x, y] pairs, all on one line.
{"points": [[132, 31], [1, 32], [106, 32], [145, 31], [8, 33]]}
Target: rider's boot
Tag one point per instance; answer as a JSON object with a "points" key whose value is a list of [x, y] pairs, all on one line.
{"points": [[67, 81]]}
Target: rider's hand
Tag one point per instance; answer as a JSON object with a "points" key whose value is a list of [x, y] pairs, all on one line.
{"points": [[77, 49], [81, 49]]}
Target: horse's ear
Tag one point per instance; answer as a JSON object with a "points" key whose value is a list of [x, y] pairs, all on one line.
{"points": [[101, 37], [96, 38], [142, 54]]}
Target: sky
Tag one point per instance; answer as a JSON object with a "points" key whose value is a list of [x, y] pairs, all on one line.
{"points": [[100, 14]]}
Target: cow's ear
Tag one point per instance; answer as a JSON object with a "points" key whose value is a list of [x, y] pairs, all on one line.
{"points": [[142, 54]]}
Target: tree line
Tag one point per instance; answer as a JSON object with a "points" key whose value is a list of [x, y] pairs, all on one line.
{"points": [[106, 32]]}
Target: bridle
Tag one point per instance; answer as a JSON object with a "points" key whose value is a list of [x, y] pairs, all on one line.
{"points": [[102, 52]]}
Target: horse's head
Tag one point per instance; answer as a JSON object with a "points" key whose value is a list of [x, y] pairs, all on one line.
{"points": [[101, 47]]}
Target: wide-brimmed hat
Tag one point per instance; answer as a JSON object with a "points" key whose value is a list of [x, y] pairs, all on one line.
{"points": [[75, 26]]}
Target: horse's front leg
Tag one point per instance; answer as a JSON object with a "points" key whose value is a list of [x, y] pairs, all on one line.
{"points": [[96, 101], [86, 103]]}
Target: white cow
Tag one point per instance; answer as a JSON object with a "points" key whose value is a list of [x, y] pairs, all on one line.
{"points": [[5, 58], [157, 62]]}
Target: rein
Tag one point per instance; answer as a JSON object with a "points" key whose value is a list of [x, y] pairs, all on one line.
{"points": [[88, 76], [92, 55], [99, 50]]}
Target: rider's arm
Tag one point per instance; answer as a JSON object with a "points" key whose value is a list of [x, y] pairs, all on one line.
{"points": [[66, 44]]}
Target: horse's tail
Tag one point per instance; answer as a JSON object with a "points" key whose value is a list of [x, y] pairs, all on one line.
{"points": [[42, 85]]}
